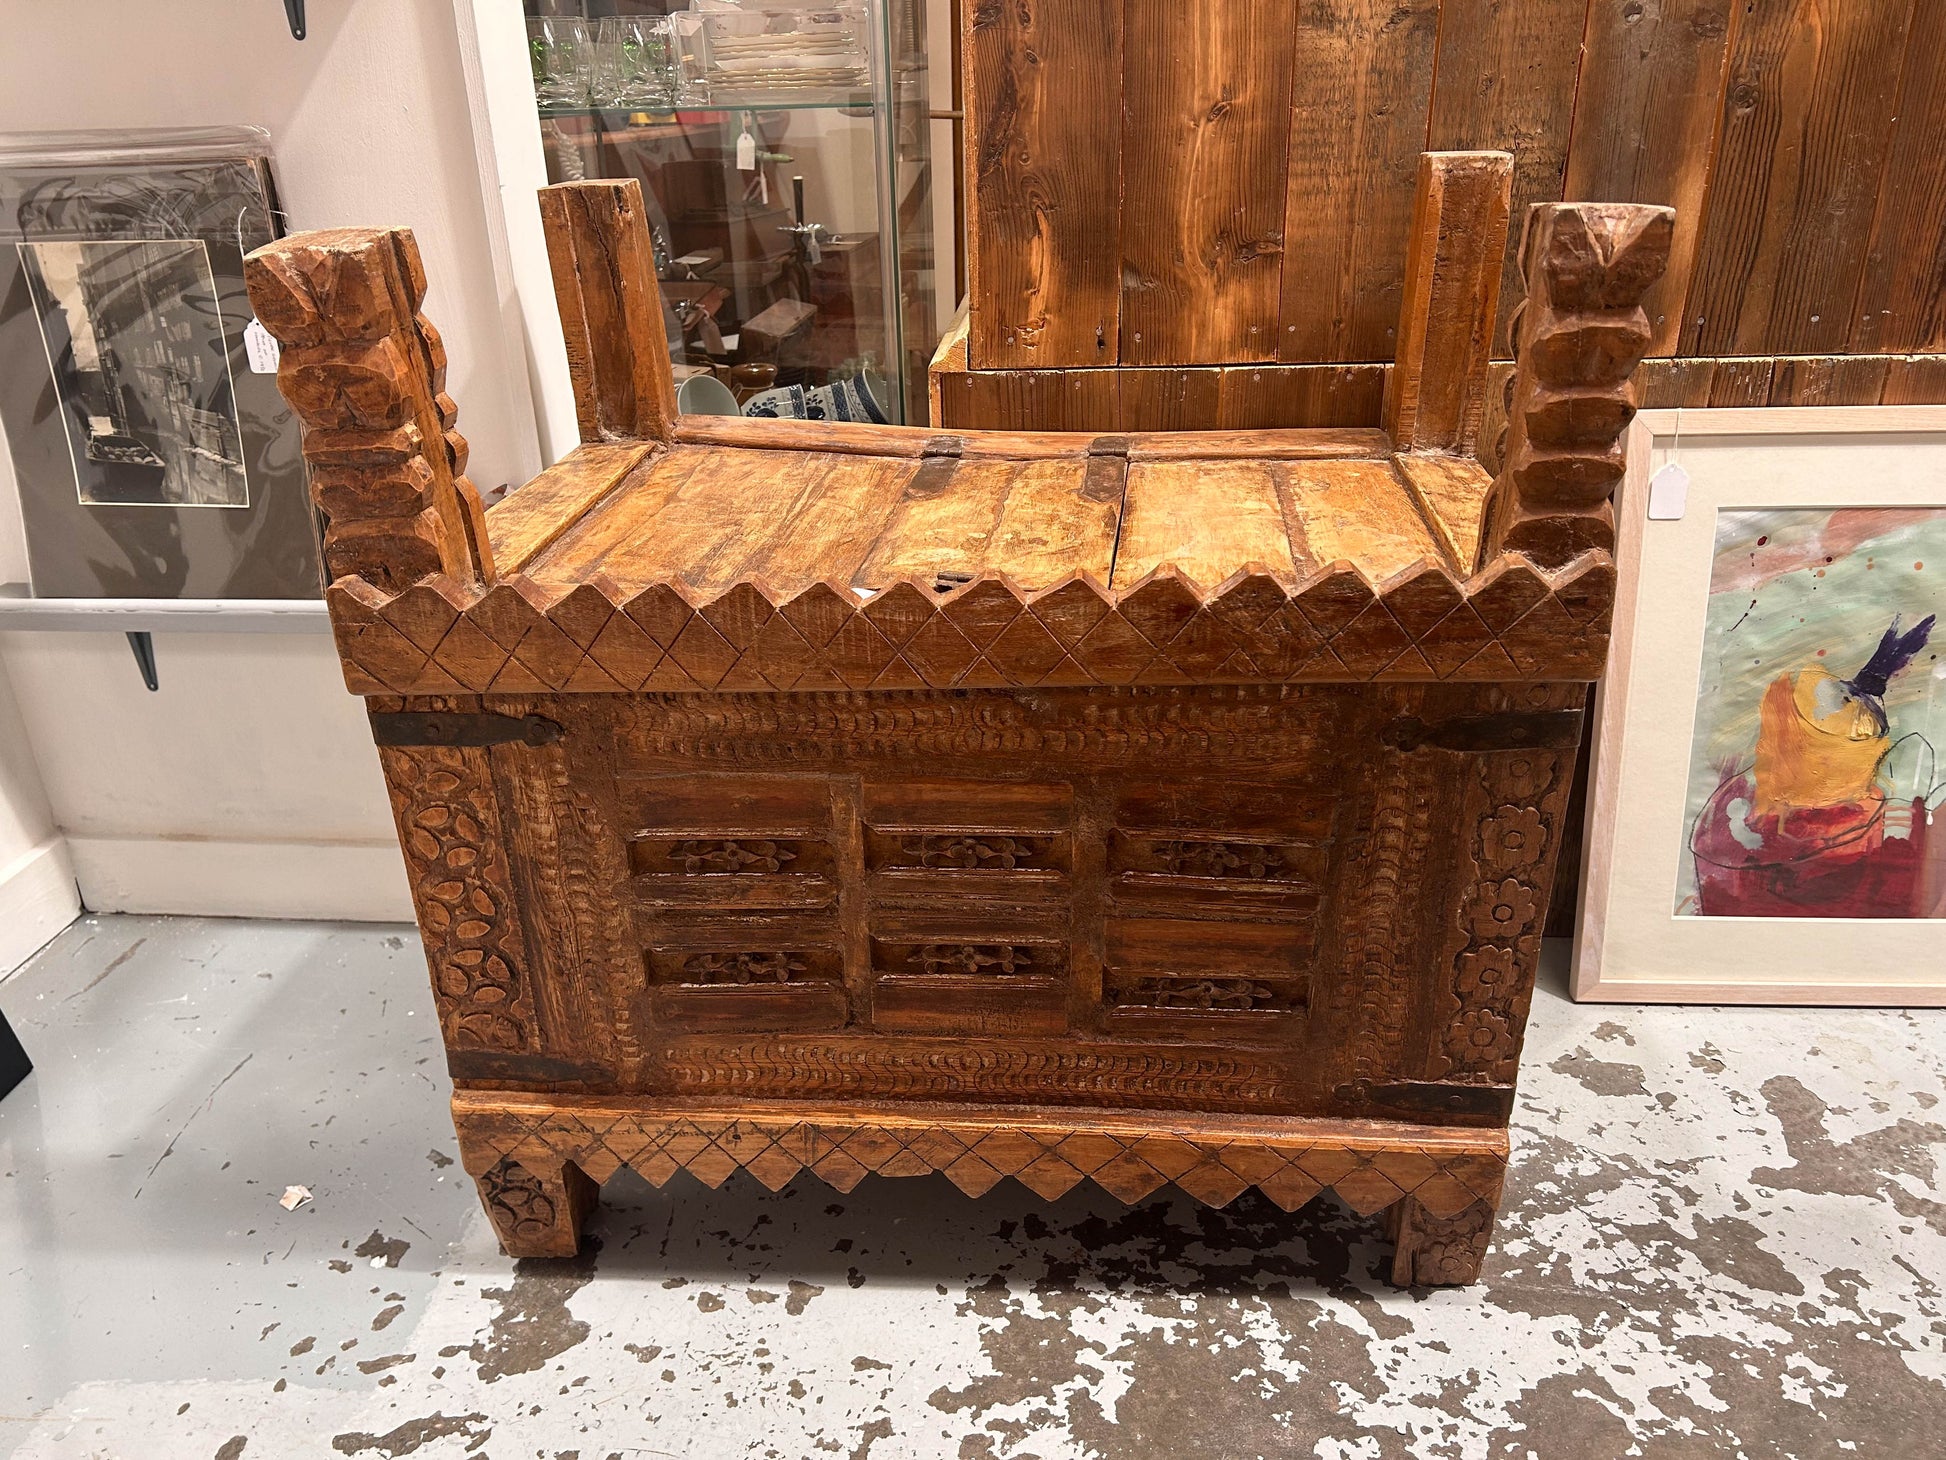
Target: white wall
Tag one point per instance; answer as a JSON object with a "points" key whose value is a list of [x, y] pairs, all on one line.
{"points": [[249, 783], [37, 891], [37, 887], [246, 785]]}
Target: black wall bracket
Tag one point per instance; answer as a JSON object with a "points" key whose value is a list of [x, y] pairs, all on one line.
{"points": [[14, 1064], [294, 12]]}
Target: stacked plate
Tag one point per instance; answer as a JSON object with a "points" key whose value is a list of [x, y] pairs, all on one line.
{"points": [[787, 48]]}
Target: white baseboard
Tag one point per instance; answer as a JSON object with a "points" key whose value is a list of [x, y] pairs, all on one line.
{"points": [[37, 900], [337, 881]]}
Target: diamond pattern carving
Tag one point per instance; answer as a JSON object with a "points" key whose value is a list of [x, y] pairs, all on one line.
{"points": [[1510, 621], [1445, 1171]]}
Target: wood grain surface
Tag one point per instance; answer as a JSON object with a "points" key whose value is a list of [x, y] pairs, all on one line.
{"points": [[1034, 522], [1506, 80], [1205, 119], [1361, 85], [1452, 494], [531, 519], [1902, 294], [1436, 393], [1800, 142], [611, 313], [1043, 156], [1812, 89], [1645, 122], [1301, 396], [1204, 527]]}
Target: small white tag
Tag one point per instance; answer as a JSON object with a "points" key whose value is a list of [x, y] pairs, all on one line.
{"points": [[262, 348], [746, 152], [1668, 493]]}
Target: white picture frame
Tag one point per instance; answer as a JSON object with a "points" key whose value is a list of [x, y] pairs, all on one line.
{"points": [[1630, 945]]}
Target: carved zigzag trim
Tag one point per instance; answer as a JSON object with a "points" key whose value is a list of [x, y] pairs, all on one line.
{"points": [[1213, 1159], [1510, 621]]}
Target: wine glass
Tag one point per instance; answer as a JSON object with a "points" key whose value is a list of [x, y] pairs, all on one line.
{"points": [[561, 52], [632, 62]]}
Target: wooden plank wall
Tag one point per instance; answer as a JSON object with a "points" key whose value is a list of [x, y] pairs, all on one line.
{"points": [[1249, 397], [1229, 183]]}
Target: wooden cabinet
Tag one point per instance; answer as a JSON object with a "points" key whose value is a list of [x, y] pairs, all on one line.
{"points": [[1135, 809]]}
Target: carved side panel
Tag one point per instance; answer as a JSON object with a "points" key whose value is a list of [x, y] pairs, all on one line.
{"points": [[734, 884], [1577, 337], [1514, 803], [454, 841], [567, 863], [1373, 995]]}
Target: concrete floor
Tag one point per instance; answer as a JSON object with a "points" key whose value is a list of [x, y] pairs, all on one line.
{"points": [[1725, 1236]]}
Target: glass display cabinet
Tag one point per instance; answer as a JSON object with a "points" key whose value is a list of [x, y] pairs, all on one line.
{"points": [[783, 150]]}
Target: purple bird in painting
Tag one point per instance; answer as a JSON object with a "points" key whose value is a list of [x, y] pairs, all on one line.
{"points": [[1894, 652]]}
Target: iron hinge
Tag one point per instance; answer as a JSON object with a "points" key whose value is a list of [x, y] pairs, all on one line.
{"points": [[1516, 730], [441, 727]]}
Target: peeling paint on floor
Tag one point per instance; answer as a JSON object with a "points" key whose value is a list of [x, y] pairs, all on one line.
{"points": [[1725, 1236]]}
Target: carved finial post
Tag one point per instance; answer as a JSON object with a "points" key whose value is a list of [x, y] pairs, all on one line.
{"points": [[1436, 393], [1578, 337], [603, 262], [366, 374]]}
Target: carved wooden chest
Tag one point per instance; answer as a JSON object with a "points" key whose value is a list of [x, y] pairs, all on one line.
{"points": [[1138, 809]]}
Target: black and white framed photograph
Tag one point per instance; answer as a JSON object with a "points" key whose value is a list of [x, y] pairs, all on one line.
{"points": [[133, 337], [153, 455]]}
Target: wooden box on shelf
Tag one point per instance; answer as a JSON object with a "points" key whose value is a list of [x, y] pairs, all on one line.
{"points": [[1135, 809]]}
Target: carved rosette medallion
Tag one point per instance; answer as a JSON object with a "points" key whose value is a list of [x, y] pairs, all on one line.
{"points": [[1501, 917], [986, 959], [1217, 859], [443, 799], [971, 853], [748, 856], [1443, 1250], [744, 968], [1203, 994]]}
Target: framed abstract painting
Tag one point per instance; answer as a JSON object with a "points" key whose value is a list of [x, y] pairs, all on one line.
{"points": [[1767, 794]]}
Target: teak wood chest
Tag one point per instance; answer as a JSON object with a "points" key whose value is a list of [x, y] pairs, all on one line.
{"points": [[1135, 809]]}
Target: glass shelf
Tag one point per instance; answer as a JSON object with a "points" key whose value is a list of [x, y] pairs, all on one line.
{"points": [[802, 197], [857, 104]]}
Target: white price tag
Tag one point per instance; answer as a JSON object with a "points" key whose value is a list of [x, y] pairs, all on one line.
{"points": [[1668, 493], [746, 152], [262, 348]]}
